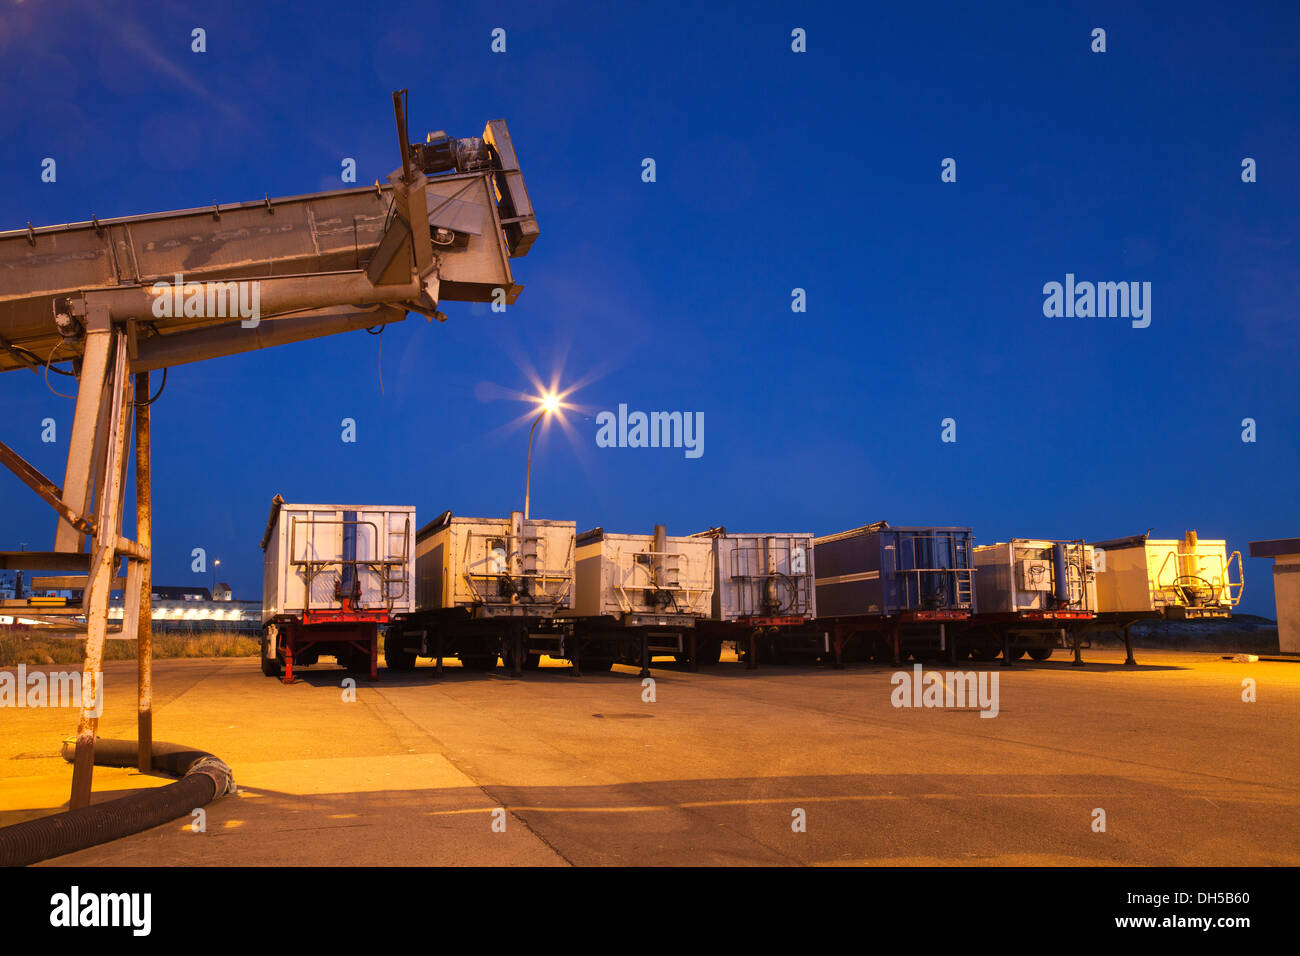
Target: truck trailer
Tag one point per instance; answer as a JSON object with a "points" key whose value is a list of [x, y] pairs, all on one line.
{"points": [[638, 596], [884, 591], [483, 586], [1031, 595], [764, 598], [1184, 580], [332, 576]]}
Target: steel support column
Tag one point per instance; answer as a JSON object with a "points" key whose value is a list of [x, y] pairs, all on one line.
{"points": [[100, 580], [144, 538]]}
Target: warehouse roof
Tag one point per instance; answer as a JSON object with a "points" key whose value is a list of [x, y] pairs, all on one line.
{"points": [[1274, 548]]}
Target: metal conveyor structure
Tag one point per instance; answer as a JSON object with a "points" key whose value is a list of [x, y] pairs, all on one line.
{"points": [[122, 297]]}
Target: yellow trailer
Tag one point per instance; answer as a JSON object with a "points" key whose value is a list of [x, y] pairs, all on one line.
{"points": [[1185, 579]]}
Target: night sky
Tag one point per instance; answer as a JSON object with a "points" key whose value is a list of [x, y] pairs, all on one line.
{"points": [[775, 171]]}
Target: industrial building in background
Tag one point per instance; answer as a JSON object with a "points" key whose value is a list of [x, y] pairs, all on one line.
{"points": [[119, 298]]}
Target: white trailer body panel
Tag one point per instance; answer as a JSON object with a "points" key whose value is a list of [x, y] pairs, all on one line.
{"points": [[763, 575], [1020, 575], [616, 576], [495, 565], [306, 563]]}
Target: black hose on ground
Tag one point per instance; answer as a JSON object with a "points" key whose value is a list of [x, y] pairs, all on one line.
{"points": [[203, 778]]}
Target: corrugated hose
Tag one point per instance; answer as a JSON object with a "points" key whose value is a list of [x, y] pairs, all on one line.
{"points": [[203, 778]]}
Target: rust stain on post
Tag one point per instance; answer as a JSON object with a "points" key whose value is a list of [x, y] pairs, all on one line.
{"points": [[143, 537]]}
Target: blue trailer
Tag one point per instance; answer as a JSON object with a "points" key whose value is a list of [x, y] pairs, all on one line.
{"points": [[882, 590]]}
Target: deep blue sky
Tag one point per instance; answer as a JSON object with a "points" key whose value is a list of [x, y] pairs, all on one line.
{"points": [[776, 170]]}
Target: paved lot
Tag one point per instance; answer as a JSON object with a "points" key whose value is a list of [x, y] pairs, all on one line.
{"points": [[709, 773]]}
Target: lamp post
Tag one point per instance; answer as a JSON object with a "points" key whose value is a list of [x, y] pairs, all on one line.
{"points": [[549, 403], [212, 594]]}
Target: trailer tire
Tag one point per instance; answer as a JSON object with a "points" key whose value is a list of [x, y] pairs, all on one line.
{"points": [[397, 657], [271, 665], [1040, 653]]}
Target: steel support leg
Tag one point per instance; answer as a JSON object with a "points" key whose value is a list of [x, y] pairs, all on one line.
{"points": [[645, 654], [1128, 646], [898, 648], [1006, 648], [100, 578], [1078, 651], [290, 633], [85, 425], [519, 639], [751, 660]]}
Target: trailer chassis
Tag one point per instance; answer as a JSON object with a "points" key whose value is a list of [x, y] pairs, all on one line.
{"points": [[890, 633], [350, 635], [1012, 633], [474, 635], [633, 639], [765, 639]]}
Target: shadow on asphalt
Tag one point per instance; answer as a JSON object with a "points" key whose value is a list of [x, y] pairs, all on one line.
{"points": [[999, 816]]}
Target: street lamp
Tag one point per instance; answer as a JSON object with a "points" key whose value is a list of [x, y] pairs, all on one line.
{"points": [[550, 402], [213, 593]]}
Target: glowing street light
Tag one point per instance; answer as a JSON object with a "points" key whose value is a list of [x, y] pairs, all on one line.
{"points": [[549, 403]]}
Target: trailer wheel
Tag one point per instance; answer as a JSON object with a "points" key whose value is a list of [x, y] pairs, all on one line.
{"points": [[357, 661], [983, 652], [1039, 653], [270, 666], [1017, 653], [397, 657]]}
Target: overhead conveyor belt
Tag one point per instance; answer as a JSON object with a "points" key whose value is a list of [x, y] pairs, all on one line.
{"points": [[322, 263]]}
